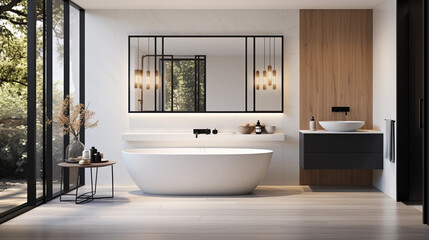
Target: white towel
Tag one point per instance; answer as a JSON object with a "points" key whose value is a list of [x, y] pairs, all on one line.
{"points": [[390, 140]]}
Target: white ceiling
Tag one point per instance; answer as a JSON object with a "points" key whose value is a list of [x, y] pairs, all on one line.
{"points": [[229, 4]]}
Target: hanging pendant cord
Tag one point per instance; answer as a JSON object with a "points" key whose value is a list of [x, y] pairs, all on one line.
{"points": [[148, 40], [138, 51], [269, 56], [274, 53], [264, 53]]}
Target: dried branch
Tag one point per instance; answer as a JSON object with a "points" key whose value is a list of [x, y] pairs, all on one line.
{"points": [[73, 118]]}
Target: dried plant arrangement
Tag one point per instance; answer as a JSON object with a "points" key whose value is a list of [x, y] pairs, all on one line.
{"points": [[73, 118]]}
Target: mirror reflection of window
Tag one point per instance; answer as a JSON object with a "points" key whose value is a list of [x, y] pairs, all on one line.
{"points": [[187, 93]]}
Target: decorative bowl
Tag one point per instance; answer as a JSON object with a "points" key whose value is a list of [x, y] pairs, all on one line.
{"points": [[245, 129], [270, 129]]}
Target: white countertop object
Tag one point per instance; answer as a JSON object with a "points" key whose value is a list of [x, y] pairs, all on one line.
{"points": [[139, 137], [361, 131]]}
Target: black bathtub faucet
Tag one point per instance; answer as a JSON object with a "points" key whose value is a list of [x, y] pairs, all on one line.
{"points": [[201, 131]]}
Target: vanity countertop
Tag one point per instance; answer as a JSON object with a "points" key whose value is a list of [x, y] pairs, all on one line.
{"points": [[361, 131], [136, 137]]}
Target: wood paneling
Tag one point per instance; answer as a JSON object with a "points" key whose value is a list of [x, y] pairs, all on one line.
{"points": [[335, 70], [335, 177]]}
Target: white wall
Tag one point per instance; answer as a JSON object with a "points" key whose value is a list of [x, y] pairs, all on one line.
{"points": [[225, 89], [384, 85], [106, 79]]}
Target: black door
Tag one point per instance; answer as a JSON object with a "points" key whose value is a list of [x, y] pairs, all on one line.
{"points": [[410, 100], [426, 116], [416, 77]]}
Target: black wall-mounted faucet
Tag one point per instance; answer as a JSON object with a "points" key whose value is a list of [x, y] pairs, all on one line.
{"points": [[341, 109], [201, 131]]}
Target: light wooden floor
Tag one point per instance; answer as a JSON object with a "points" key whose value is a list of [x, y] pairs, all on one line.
{"points": [[269, 213], [14, 193]]}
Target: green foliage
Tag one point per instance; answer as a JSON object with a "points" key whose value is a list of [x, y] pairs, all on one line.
{"points": [[13, 46], [184, 84], [13, 129], [13, 90], [13, 85]]}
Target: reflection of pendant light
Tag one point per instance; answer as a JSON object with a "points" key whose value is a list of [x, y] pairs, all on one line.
{"points": [[156, 79], [264, 84], [138, 73], [274, 71], [257, 80], [138, 78], [270, 68], [147, 80], [274, 79], [148, 71], [264, 73]]}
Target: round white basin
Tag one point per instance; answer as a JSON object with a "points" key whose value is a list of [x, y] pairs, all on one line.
{"points": [[342, 126]]}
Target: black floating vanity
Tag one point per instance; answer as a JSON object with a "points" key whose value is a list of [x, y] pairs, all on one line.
{"points": [[341, 150]]}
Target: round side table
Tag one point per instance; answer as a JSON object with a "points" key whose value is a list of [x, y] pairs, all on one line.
{"points": [[88, 196]]}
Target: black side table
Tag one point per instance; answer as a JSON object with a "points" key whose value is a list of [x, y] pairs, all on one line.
{"points": [[88, 196]]}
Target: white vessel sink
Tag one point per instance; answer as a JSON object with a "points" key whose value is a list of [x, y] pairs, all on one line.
{"points": [[342, 126]]}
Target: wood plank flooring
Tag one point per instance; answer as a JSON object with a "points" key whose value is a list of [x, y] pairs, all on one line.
{"points": [[272, 212]]}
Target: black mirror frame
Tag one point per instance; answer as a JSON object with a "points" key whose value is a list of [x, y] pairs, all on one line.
{"points": [[245, 38]]}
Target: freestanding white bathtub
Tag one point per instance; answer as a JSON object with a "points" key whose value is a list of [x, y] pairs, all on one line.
{"points": [[197, 171]]}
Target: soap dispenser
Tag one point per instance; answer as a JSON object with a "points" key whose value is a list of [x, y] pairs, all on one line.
{"points": [[312, 124], [258, 128], [86, 154]]}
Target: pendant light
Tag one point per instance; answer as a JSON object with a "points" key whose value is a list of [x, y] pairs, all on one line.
{"points": [[270, 68], [156, 79], [138, 78], [274, 71], [264, 73], [148, 71], [274, 79], [138, 73], [257, 78]]}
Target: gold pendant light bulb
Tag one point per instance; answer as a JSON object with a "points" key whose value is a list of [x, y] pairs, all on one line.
{"points": [[264, 81], [274, 79], [138, 78], [148, 80], [156, 79], [257, 80], [270, 75]]}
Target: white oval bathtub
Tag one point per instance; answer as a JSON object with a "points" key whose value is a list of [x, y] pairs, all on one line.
{"points": [[197, 171]]}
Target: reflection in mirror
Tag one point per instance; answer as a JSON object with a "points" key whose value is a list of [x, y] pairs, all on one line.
{"points": [[268, 77], [187, 93], [206, 74]]}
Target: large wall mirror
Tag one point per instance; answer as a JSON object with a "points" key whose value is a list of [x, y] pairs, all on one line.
{"points": [[205, 74]]}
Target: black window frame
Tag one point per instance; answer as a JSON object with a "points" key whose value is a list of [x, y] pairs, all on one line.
{"points": [[245, 38], [32, 199]]}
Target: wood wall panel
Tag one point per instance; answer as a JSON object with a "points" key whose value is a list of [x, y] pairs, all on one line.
{"points": [[335, 70]]}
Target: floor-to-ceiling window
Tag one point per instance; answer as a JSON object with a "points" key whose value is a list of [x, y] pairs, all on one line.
{"points": [[13, 104], [57, 87], [40, 64], [40, 105]]}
